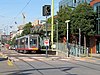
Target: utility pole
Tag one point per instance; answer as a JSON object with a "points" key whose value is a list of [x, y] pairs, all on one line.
{"points": [[46, 39], [11, 28], [7, 29], [52, 22], [23, 18]]}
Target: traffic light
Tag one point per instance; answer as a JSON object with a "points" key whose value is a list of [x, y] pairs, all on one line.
{"points": [[46, 10]]}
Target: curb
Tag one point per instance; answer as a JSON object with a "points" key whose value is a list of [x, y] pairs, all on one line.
{"points": [[9, 61]]}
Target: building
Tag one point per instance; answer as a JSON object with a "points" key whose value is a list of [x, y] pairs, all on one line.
{"points": [[1, 33], [72, 3], [13, 34], [95, 43], [20, 29], [36, 22], [5, 38]]}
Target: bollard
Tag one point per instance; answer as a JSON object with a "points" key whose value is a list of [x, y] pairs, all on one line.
{"points": [[91, 53], [87, 52]]}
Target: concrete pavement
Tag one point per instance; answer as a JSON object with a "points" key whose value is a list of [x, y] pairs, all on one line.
{"points": [[33, 66], [96, 56], [5, 68]]}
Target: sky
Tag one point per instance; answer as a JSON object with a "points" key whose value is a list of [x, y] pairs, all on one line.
{"points": [[11, 12]]}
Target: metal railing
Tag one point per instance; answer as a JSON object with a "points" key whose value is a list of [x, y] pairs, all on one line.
{"points": [[73, 50]]}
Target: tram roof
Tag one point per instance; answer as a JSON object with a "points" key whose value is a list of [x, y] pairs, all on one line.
{"points": [[26, 36]]}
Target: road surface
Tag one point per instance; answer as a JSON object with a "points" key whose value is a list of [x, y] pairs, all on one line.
{"points": [[38, 64]]}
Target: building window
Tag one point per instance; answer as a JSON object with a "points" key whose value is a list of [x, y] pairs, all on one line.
{"points": [[98, 18], [74, 1]]}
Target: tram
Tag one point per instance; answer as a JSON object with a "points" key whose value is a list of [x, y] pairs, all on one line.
{"points": [[28, 43]]}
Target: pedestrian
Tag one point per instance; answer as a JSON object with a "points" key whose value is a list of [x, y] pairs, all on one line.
{"points": [[68, 47]]}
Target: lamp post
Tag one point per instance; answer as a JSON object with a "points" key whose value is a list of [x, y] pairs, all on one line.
{"points": [[57, 34], [79, 40], [67, 21]]}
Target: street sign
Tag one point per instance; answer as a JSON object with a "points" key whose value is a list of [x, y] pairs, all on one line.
{"points": [[46, 42]]}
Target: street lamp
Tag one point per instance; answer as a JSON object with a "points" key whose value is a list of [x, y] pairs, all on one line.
{"points": [[67, 21]]}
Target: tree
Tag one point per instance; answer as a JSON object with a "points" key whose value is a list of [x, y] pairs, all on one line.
{"points": [[26, 29], [83, 17], [49, 27], [12, 42], [63, 15]]}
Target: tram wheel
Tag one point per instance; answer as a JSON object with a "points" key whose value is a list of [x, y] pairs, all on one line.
{"points": [[18, 51], [24, 51], [33, 51]]}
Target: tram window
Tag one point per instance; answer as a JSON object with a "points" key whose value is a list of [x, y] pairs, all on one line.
{"points": [[22, 41], [16, 42], [26, 41], [74, 1], [33, 42]]}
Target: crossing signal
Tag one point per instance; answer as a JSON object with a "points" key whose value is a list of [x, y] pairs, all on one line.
{"points": [[46, 10]]}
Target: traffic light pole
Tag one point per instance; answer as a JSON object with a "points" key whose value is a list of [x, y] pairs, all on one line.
{"points": [[47, 12], [46, 39]]}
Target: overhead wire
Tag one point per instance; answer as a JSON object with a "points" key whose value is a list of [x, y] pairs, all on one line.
{"points": [[18, 15], [24, 8], [21, 11]]}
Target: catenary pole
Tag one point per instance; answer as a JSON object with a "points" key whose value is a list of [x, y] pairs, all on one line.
{"points": [[52, 22]]}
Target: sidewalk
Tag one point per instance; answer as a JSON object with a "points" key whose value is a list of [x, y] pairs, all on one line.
{"points": [[6, 69], [96, 56]]}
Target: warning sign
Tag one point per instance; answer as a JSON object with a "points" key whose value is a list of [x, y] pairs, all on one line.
{"points": [[46, 42]]}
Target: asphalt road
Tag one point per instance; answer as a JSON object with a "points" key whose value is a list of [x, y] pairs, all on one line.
{"points": [[38, 64]]}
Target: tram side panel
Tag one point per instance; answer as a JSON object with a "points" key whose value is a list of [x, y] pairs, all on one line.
{"points": [[29, 43]]}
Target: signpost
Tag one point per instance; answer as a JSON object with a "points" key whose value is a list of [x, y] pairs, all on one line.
{"points": [[46, 42]]}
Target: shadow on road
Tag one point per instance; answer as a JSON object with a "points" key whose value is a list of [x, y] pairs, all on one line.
{"points": [[26, 72], [20, 74], [3, 59]]}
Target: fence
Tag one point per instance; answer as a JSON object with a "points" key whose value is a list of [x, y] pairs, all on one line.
{"points": [[72, 49]]}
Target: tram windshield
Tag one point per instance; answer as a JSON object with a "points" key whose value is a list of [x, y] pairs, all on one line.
{"points": [[33, 42]]}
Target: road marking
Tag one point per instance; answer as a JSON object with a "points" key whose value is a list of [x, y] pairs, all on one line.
{"points": [[9, 62], [4, 56], [27, 59]]}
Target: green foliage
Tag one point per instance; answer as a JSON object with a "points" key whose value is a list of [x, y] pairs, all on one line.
{"points": [[83, 17], [63, 15], [12, 42], [49, 20], [26, 29]]}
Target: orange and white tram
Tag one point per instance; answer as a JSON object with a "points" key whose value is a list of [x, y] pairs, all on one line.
{"points": [[28, 43]]}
